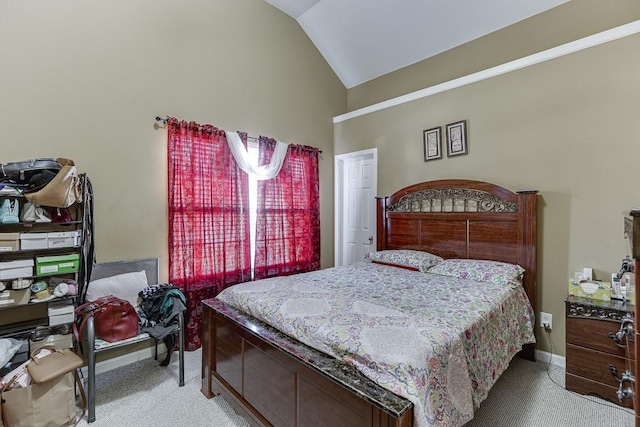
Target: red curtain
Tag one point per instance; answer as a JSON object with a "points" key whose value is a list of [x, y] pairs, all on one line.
{"points": [[288, 214], [209, 246]]}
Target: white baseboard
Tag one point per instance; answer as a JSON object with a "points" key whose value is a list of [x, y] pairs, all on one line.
{"points": [[543, 356], [125, 359]]}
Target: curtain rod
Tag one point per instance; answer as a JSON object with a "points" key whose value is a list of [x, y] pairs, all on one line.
{"points": [[252, 138]]}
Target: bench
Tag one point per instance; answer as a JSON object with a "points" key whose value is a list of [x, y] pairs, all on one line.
{"points": [[96, 345]]}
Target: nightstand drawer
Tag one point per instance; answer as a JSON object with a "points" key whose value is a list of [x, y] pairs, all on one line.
{"points": [[594, 364], [594, 333], [588, 387]]}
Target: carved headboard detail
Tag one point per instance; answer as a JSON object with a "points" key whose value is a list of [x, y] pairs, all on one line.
{"points": [[452, 200]]}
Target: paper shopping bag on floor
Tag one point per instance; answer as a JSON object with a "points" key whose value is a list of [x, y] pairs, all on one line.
{"points": [[50, 404]]}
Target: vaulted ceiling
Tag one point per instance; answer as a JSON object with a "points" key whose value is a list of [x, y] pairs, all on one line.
{"points": [[365, 39]]}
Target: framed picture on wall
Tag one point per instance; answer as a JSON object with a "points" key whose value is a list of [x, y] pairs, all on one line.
{"points": [[432, 144], [457, 138]]}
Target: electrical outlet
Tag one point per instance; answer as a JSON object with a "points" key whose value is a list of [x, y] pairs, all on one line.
{"points": [[546, 320]]}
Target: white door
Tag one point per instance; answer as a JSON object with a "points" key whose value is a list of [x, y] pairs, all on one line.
{"points": [[356, 189]]}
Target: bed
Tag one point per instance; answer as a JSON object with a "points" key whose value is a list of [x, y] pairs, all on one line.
{"points": [[277, 363]]}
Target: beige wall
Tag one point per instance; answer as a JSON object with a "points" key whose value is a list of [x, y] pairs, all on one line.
{"points": [[565, 127], [568, 22], [85, 80]]}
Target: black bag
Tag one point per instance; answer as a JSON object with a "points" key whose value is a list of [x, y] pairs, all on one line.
{"points": [[40, 171]]}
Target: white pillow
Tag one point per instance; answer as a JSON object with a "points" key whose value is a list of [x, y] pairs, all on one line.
{"points": [[125, 286]]}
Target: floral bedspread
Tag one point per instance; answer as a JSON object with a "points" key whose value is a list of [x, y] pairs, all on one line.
{"points": [[441, 342]]}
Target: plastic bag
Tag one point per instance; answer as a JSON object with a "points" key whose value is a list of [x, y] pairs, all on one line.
{"points": [[8, 348]]}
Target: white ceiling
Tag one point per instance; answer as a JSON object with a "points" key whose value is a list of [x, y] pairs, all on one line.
{"points": [[365, 39]]}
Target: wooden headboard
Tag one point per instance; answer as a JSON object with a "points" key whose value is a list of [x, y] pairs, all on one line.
{"points": [[457, 218]]}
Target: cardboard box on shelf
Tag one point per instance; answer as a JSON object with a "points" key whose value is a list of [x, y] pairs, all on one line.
{"points": [[60, 314], [11, 297], [9, 242], [63, 239], [16, 269], [33, 241], [57, 264]]}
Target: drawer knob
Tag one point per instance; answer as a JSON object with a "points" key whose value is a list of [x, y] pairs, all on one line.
{"points": [[626, 329], [626, 377], [624, 393], [617, 340]]}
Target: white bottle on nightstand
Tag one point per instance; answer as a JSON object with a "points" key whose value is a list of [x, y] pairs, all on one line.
{"points": [[629, 279]]}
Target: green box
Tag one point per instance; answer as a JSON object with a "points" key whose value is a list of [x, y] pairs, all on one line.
{"points": [[593, 289], [58, 264]]}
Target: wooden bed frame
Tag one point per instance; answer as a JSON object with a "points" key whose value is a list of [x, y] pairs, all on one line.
{"points": [[272, 379]]}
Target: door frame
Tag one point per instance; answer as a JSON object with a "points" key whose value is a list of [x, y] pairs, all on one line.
{"points": [[339, 214]]}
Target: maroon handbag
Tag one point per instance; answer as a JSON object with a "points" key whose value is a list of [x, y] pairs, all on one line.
{"points": [[115, 319], [60, 215]]}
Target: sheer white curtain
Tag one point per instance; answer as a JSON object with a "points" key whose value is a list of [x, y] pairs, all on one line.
{"points": [[243, 159]]}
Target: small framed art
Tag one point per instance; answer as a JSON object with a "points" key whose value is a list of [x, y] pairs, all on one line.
{"points": [[432, 144], [457, 138]]}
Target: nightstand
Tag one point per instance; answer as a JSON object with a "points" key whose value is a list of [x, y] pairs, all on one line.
{"points": [[598, 355]]}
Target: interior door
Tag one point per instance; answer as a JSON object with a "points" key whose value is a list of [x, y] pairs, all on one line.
{"points": [[355, 209]]}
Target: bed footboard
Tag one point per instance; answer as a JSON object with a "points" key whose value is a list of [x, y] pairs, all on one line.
{"points": [[271, 386]]}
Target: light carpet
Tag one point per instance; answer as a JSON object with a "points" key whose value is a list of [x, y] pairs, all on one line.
{"points": [[145, 394], [527, 395]]}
